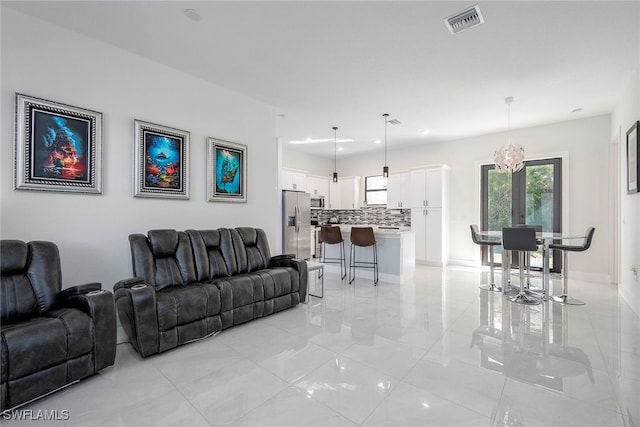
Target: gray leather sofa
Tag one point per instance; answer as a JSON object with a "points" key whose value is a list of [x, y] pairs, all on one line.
{"points": [[50, 338], [191, 284]]}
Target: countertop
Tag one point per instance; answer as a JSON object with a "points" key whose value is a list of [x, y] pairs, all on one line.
{"points": [[377, 229]]}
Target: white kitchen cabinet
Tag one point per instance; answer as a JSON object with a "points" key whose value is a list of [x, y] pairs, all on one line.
{"points": [[399, 191], [345, 194], [430, 214], [318, 186], [429, 186], [292, 180], [430, 227]]}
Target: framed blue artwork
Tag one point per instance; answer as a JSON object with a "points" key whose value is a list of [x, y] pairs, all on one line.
{"points": [[226, 171], [161, 161], [57, 147]]}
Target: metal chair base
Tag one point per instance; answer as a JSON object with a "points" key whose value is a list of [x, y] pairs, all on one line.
{"points": [[566, 299], [492, 287], [523, 298]]}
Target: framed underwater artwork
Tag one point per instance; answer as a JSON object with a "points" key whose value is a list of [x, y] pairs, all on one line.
{"points": [[161, 161], [57, 147], [226, 171]]}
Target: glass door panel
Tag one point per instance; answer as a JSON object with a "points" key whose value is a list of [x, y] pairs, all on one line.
{"points": [[499, 204], [530, 196]]}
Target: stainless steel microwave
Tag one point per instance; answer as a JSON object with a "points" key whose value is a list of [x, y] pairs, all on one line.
{"points": [[317, 202]]}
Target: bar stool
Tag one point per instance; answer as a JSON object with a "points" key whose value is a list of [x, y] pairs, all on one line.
{"points": [[363, 237], [478, 240], [538, 229], [565, 298], [333, 236], [521, 239]]}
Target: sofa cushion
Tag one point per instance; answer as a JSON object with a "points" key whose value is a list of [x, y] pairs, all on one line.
{"points": [[164, 258], [244, 289], [31, 278], [17, 300], [179, 305], [213, 253], [251, 247], [42, 342], [163, 242]]}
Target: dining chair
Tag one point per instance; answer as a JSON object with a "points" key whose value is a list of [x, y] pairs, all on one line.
{"points": [[521, 239], [363, 237], [538, 229], [333, 236], [490, 244], [564, 298]]}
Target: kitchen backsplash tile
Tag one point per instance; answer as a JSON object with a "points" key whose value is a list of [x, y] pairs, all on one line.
{"points": [[368, 215]]}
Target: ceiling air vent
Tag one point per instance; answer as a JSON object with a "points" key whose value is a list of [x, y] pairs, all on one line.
{"points": [[464, 20]]}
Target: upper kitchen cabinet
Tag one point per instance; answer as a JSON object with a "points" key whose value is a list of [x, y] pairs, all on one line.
{"points": [[399, 191], [345, 194], [429, 186], [293, 180], [318, 186]]}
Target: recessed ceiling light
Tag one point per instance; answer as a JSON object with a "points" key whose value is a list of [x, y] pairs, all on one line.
{"points": [[340, 148], [377, 141], [192, 14], [425, 132], [576, 110]]}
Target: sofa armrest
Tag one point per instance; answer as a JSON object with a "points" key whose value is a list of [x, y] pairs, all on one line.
{"points": [[136, 302], [99, 305], [299, 264]]}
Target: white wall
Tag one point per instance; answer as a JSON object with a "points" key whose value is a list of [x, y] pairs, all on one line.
{"points": [[586, 143], [314, 165], [625, 114], [91, 231]]}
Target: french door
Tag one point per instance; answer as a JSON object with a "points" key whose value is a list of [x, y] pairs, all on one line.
{"points": [[532, 196]]}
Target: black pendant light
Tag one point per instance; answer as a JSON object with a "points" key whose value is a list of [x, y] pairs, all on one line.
{"points": [[385, 168], [335, 162]]}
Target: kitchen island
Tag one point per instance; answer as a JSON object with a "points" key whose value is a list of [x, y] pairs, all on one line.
{"points": [[396, 254]]}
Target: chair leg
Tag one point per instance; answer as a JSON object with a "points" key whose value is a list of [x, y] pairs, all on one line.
{"points": [[343, 261], [492, 283], [352, 261], [375, 264], [522, 297], [565, 298]]}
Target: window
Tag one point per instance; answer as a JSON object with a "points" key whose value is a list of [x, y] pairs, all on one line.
{"points": [[375, 190], [530, 196]]}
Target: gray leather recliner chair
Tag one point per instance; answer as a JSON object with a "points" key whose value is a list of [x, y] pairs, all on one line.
{"points": [[50, 337]]}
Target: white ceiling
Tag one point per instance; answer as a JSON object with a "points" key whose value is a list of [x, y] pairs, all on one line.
{"points": [[334, 63]]}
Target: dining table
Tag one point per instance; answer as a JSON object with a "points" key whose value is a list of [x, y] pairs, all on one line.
{"points": [[544, 239]]}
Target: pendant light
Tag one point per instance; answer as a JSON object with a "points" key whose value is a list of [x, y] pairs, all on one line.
{"points": [[335, 162], [385, 168], [509, 157]]}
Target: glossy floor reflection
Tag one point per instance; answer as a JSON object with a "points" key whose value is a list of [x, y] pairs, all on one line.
{"points": [[435, 351]]}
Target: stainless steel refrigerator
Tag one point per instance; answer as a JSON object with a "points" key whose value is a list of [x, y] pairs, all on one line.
{"points": [[296, 229]]}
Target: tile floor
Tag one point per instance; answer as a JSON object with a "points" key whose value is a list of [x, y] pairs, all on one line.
{"points": [[434, 351]]}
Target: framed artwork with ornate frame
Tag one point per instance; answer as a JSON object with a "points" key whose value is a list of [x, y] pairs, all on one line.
{"points": [[161, 164], [57, 147], [226, 171], [633, 167]]}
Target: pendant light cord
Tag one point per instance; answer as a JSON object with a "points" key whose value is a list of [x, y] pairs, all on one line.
{"points": [[335, 141], [386, 116]]}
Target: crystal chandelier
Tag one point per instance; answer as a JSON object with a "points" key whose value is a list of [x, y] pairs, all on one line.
{"points": [[509, 157]]}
